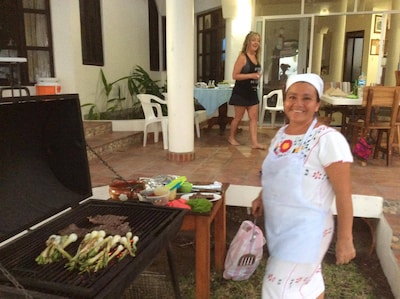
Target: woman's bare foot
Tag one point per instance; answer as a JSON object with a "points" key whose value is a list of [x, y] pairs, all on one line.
{"points": [[232, 141], [259, 146]]}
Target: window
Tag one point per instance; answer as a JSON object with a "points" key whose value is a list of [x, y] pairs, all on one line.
{"points": [[154, 41], [91, 33], [25, 31], [210, 46]]}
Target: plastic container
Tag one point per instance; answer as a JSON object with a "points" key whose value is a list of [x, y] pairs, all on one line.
{"points": [[46, 86], [157, 200]]}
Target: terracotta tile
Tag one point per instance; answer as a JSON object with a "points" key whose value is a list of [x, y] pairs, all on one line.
{"points": [[216, 160]]}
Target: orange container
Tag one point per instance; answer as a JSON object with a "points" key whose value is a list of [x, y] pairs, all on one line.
{"points": [[45, 88]]}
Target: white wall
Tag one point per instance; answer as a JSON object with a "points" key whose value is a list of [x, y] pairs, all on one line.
{"points": [[204, 5], [125, 44]]}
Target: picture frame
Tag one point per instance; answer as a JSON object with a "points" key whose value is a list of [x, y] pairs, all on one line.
{"points": [[378, 24], [374, 50]]}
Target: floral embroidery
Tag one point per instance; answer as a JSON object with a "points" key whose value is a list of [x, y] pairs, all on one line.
{"points": [[298, 280], [318, 175], [271, 277], [285, 145]]}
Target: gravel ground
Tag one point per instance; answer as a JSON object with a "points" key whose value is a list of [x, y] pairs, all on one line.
{"points": [[363, 278]]}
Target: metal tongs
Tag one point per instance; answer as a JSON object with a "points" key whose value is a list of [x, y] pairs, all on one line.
{"points": [[214, 187]]}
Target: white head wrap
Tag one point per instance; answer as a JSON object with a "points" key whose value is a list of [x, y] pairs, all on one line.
{"points": [[313, 79]]}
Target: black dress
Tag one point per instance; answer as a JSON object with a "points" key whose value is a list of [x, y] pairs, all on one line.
{"points": [[244, 92]]}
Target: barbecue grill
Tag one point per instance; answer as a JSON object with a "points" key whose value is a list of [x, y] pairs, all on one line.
{"points": [[44, 186]]}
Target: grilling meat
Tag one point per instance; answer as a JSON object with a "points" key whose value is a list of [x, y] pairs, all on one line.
{"points": [[111, 224], [107, 219], [202, 195]]}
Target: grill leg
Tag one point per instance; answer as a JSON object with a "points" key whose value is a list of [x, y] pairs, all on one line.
{"points": [[172, 270]]}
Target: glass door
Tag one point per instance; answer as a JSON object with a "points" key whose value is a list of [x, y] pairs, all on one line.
{"points": [[285, 50]]}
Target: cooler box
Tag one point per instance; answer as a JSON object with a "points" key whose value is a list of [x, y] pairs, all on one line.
{"points": [[48, 86]]}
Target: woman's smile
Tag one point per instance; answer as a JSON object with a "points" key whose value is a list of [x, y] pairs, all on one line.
{"points": [[301, 102]]}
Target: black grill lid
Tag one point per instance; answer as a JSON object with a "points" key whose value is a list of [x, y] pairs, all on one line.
{"points": [[43, 161]]}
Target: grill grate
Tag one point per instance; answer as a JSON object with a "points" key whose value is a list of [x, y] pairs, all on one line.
{"points": [[153, 225]]}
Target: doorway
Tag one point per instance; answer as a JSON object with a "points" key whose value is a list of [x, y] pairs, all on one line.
{"points": [[286, 44], [353, 56], [211, 46]]}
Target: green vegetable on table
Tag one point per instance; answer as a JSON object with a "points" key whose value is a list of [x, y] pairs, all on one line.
{"points": [[200, 205]]}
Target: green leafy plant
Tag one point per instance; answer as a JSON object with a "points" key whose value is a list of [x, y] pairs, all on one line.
{"points": [[142, 83], [139, 81]]}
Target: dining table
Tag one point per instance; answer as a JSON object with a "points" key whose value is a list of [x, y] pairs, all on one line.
{"points": [[345, 105], [213, 99]]}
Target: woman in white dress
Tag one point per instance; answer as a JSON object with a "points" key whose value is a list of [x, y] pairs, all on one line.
{"points": [[308, 164]]}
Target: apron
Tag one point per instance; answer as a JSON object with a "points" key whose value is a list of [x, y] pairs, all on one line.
{"points": [[294, 226]]}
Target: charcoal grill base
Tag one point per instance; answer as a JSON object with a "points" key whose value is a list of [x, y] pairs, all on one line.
{"points": [[155, 226], [44, 171]]}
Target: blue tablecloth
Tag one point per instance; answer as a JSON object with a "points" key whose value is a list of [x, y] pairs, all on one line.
{"points": [[212, 98]]}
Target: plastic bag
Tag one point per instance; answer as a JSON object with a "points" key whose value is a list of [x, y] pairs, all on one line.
{"points": [[241, 245], [363, 148]]}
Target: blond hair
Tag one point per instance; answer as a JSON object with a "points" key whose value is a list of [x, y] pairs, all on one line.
{"points": [[247, 41]]}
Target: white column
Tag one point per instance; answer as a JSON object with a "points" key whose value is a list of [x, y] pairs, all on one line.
{"points": [[238, 16], [180, 78], [229, 53], [393, 58], [338, 37], [317, 52]]}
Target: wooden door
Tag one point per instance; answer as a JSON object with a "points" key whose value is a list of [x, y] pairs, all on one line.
{"points": [[210, 46]]}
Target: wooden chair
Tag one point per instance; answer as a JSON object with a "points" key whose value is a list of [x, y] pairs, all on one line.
{"points": [[397, 74], [379, 97]]}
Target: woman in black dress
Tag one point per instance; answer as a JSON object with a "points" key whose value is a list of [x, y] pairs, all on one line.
{"points": [[246, 72]]}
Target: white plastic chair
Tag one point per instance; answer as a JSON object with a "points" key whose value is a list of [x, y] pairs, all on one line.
{"points": [[271, 109], [154, 118], [196, 117]]}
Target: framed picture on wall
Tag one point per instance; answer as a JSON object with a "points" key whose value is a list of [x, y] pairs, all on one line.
{"points": [[378, 24], [374, 47]]}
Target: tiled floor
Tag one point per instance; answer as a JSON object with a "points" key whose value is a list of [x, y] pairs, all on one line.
{"points": [[217, 160]]}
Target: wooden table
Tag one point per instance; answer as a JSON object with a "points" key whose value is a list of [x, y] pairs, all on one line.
{"points": [[343, 105], [212, 99], [201, 225]]}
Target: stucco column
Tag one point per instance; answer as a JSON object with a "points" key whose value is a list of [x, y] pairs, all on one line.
{"points": [[336, 69], [317, 52], [180, 78], [393, 58], [237, 25]]}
